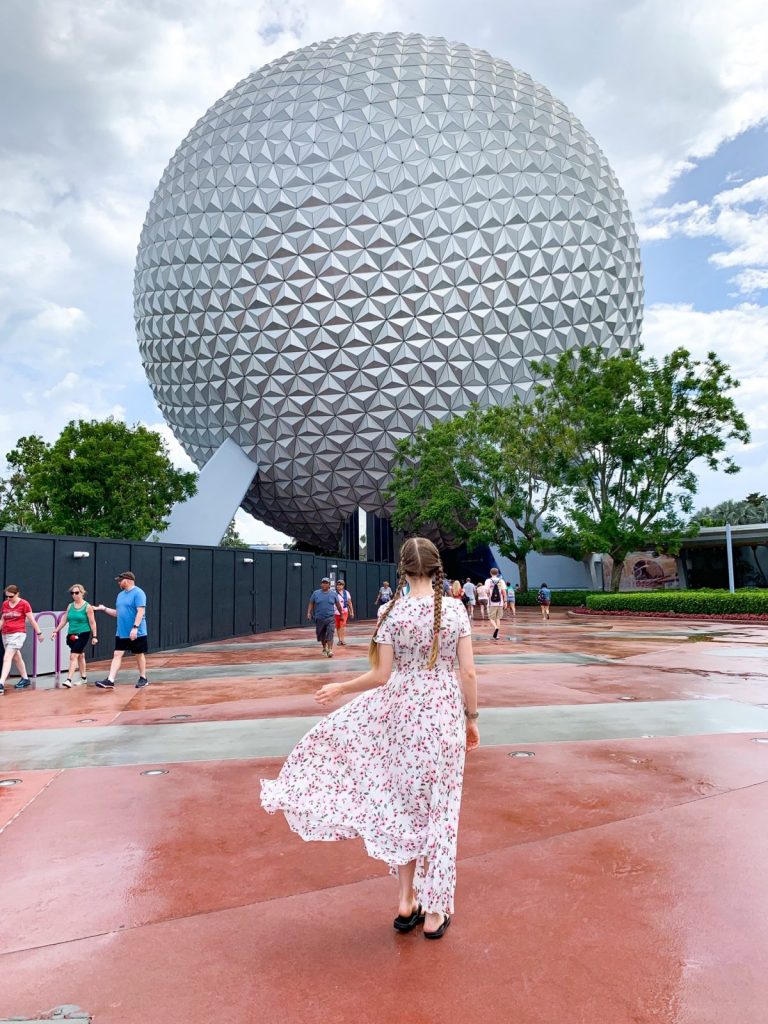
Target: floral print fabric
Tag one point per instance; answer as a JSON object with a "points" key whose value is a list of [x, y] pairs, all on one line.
{"points": [[388, 766]]}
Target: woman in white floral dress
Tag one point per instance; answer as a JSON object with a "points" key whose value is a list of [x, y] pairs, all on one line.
{"points": [[388, 766]]}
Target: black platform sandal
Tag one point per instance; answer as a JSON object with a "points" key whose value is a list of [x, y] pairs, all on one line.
{"points": [[441, 930], [406, 924]]}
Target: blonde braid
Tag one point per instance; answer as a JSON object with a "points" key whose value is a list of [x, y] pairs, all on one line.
{"points": [[373, 647], [437, 585]]}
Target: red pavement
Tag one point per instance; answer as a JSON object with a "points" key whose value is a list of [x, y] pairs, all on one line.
{"points": [[618, 882]]}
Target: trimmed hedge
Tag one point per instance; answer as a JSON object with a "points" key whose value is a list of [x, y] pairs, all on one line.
{"points": [[683, 602], [561, 598]]}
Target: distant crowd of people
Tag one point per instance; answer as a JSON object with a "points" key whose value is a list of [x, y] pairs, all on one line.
{"points": [[330, 607], [492, 597]]}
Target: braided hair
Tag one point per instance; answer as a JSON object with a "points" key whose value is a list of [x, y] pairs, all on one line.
{"points": [[418, 557]]}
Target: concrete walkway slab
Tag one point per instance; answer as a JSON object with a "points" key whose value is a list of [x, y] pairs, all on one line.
{"points": [[611, 924], [619, 878], [223, 740]]}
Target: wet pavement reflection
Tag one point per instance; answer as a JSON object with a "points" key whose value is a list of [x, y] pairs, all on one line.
{"points": [[612, 878]]}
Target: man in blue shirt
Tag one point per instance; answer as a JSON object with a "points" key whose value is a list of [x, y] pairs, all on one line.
{"points": [[131, 633], [322, 607]]}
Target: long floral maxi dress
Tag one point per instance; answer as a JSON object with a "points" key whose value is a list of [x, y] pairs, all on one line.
{"points": [[388, 766]]}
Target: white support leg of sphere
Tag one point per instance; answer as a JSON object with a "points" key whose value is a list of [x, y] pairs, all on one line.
{"points": [[221, 487]]}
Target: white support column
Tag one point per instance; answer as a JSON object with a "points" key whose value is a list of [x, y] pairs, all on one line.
{"points": [[729, 551], [223, 483]]}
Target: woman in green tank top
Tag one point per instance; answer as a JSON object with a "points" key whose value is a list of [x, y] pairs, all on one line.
{"points": [[80, 624]]}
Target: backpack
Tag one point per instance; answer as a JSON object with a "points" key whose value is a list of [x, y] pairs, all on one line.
{"points": [[495, 592], [540, 597]]}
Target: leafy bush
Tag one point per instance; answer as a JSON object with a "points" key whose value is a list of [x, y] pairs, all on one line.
{"points": [[561, 598], [684, 602]]}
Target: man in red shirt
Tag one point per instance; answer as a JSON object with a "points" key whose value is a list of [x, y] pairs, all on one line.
{"points": [[15, 613]]}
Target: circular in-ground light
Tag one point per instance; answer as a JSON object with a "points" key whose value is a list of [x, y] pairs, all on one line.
{"points": [[156, 771], [522, 753], [10, 782]]}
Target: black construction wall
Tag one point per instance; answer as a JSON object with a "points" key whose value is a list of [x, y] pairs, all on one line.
{"points": [[214, 593]]}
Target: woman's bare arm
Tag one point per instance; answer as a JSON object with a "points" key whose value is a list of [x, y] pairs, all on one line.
{"points": [[469, 688], [368, 681], [467, 673]]}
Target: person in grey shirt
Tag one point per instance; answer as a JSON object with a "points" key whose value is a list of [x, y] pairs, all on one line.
{"points": [[322, 607]]}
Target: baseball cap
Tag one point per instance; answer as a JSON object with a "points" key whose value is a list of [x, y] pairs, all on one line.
{"points": [[125, 576], [325, 579]]}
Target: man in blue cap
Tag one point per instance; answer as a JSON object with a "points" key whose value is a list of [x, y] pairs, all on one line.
{"points": [[322, 607]]}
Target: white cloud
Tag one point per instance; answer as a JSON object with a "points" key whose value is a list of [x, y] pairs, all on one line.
{"points": [[69, 382], [104, 93], [737, 217], [55, 319], [740, 337], [750, 281]]}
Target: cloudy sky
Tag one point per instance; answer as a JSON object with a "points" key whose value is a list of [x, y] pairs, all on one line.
{"points": [[96, 96]]}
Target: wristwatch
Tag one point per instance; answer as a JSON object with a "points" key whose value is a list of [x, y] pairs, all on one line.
{"points": [[475, 715]]}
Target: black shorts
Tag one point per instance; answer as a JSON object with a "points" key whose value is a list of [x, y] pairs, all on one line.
{"points": [[78, 642], [137, 646]]}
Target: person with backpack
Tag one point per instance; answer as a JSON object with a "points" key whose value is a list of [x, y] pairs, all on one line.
{"points": [[497, 600], [544, 597], [344, 613]]}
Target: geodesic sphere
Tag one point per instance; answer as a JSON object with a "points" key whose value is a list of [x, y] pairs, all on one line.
{"points": [[363, 236]]}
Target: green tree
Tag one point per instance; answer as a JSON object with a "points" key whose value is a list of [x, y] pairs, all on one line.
{"points": [[99, 479], [488, 477], [637, 427], [20, 510], [753, 509], [232, 538]]}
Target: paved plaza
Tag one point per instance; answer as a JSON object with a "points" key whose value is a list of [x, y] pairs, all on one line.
{"points": [[613, 852]]}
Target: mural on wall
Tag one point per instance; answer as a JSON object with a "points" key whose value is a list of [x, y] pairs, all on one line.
{"points": [[644, 570]]}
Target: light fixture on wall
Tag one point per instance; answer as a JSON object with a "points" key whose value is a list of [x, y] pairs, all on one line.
{"points": [[81, 554], [247, 561], [297, 565], [334, 567], [179, 558]]}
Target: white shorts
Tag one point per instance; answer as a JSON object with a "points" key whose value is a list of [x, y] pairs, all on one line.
{"points": [[14, 641]]}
